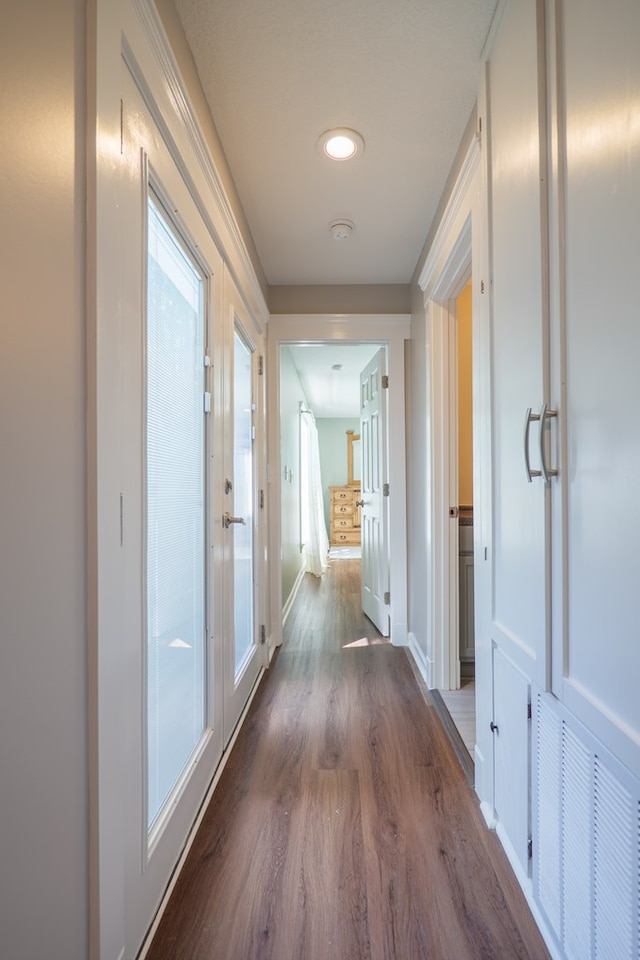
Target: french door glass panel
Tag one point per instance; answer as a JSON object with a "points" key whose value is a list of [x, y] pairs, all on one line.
{"points": [[243, 502], [175, 510]]}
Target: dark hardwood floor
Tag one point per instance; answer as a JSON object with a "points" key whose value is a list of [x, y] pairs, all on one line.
{"points": [[343, 826]]}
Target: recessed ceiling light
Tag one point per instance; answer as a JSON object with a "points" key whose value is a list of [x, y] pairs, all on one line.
{"points": [[341, 143]]}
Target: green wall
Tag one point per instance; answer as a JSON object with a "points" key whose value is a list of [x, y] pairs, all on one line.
{"points": [[332, 440]]}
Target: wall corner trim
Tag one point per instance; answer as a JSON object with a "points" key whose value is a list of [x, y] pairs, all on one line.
{"points": [[430, 271]]}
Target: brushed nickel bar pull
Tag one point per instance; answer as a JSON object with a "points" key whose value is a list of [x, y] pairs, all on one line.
{"points": [[227, 520], [546, 414], [527, 464]]}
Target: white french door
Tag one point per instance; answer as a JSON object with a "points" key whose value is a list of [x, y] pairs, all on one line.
{"points": [[171, 709], [243, 649], [375, 532]]}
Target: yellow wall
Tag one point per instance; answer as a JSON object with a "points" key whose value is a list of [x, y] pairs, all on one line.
{"points": [[465, 400]]}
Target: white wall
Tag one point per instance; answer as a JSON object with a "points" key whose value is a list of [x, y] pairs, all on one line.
{"points": [[43, 663], [291, 396]]}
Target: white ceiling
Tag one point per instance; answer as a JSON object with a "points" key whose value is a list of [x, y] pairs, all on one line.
{"points": [[332, 393], [278, 73]]}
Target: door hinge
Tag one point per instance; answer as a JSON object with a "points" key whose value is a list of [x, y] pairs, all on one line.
{"points": [[482, 286], [385, 489], [530, 849], [260, 364], [261, 499], [387, 598], [263, 633], [529, 711], [385, 381]]}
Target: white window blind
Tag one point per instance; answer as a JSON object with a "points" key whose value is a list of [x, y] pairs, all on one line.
{"points": [[175, 509]]}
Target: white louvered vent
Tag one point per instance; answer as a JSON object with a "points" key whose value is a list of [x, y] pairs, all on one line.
{"points": [[576, 832], [614, 862], [587, 840]]}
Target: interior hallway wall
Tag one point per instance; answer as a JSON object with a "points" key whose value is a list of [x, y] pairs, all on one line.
{"points": [[332, 440], [43, 660], [291, 396]]}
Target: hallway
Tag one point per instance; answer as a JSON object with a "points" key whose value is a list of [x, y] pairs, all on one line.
{"points": [[342, 826]]}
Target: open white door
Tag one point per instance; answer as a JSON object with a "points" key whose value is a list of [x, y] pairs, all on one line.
{"points": [[375, 515]]}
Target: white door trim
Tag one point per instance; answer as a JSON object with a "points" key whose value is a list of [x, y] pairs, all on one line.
{"points": [[392, 330]]}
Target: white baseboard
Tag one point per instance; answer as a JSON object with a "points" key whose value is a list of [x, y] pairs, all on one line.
{"points": [[286, 609], [526, 885], [418, 656]]}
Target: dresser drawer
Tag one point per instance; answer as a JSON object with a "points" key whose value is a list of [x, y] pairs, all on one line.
{"points": [[342, 495], [343, 509], [350, 537]]}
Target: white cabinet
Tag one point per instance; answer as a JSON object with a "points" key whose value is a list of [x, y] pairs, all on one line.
{"points": [[518, 621], [563, 187]]}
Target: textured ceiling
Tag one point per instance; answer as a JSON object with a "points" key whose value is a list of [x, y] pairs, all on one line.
{"points": [[278, 73]]}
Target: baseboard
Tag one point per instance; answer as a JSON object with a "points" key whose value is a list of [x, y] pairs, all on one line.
{"points": [[526, 886], [286, 609], [418, 656]]}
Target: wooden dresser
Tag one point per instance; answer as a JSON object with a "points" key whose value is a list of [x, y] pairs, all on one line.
{"points": [[344, 526]]}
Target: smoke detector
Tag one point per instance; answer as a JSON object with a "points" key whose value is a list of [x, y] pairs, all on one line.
{"points": [[341, 229]]}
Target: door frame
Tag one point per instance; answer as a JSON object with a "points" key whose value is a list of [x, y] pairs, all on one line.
{"points": [[460, 242], [391, 331]]}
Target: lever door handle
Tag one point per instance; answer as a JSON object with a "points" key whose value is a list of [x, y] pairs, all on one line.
{"points": [[227, 520], [546, 414], [528, 417]]}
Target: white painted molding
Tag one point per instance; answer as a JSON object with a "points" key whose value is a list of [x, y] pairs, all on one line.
{"points": [[286, 610], [418, 656], [458, 200], [227, 231]]}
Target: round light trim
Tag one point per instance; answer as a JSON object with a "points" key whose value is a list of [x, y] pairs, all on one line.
{"points": [[341, 143]]}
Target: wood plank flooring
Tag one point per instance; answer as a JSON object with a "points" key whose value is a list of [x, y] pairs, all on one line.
{"points": [[343, 826]]}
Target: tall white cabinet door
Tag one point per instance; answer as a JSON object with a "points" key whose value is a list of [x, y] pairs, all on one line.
{"points": [[596, 670], [519, 608], [519, 344]]}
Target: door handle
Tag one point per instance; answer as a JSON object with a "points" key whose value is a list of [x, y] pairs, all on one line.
{"points": [[359, 503], [528, 417], [227, 520], [546, 414]]}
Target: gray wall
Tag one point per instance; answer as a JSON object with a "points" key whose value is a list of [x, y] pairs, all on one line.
{"points": [[43, 658]]}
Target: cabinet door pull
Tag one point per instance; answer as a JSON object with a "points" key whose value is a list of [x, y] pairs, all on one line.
{"points": [[528, 417], [546, 414]]}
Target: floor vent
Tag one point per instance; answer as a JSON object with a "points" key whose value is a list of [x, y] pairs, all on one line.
{"points": [[586, 871]]}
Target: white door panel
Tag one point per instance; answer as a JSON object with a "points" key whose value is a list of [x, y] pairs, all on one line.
{"points": [[172, 704], [602, 386], [242, 649], [519, 338], [375, 549]]}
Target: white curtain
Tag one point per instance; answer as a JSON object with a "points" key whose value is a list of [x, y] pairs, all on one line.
{"points": [[316, 548]]}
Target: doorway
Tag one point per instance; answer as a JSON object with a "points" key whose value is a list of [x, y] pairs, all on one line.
{"points": [[354, 331]]}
